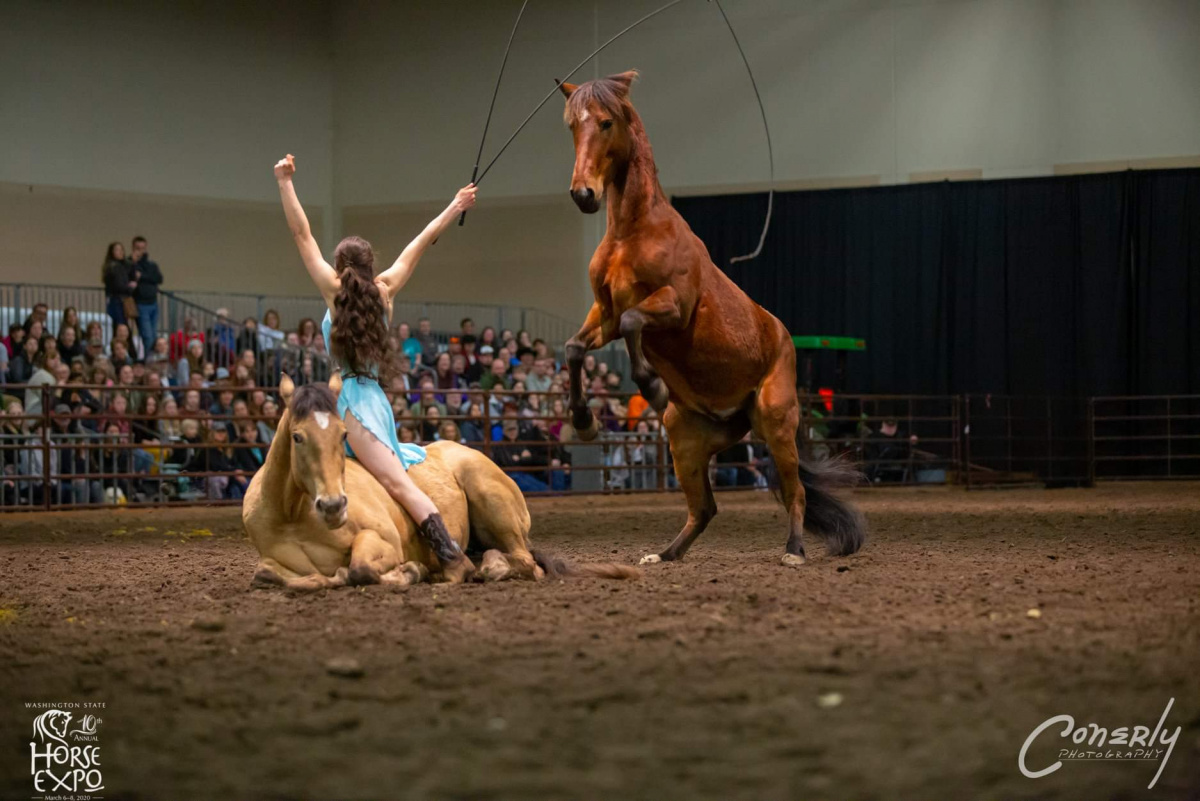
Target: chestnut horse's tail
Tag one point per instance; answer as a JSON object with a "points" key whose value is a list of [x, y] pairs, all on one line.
{"points": [[830, 517], [558, 567]]}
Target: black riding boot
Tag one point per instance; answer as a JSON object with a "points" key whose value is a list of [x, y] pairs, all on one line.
{"points": [[433, 531]]}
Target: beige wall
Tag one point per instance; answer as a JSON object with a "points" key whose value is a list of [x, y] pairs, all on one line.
{"points": [[516, 253], [59, 236], [180, 109]]}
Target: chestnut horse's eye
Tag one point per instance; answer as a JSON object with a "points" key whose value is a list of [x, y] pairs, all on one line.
{"points": [[345, 436], [296, 438], [605, 125]]}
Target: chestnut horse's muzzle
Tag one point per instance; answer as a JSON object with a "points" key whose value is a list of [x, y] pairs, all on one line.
{"points": [[587, 200]]}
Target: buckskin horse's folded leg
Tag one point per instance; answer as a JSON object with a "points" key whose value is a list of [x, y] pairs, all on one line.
{"points": [[370, 557], [595, 333], [694, 439], [272, 574], [657, 312], [406, 574]]}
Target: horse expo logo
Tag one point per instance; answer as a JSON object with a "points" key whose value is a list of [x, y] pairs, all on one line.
{"points": [[1094, 742], [64, 760]]}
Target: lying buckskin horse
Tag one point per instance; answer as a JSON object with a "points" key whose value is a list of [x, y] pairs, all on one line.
{"points": [[320, 520]]}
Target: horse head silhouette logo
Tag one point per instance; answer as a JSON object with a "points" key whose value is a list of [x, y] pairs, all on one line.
{"points": [[51, 725]]}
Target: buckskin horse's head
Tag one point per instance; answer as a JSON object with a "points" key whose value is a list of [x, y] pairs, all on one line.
{"points": [[600, 117], [318, 437]]}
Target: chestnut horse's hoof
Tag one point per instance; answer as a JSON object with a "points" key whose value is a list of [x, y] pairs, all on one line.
{"points": [[658, 396], [586, 428], [650, 559], [792, 560]]}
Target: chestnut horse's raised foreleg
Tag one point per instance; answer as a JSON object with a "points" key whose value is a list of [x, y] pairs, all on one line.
{"points": [[694, 439], [595, 332], [659, 311]]}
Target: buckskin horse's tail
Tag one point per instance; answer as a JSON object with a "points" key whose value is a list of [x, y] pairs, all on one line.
{"points": [[557, 567], [839, 523]]}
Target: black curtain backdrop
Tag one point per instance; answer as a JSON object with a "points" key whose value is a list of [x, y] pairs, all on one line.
{"points": [[1063, 286]]}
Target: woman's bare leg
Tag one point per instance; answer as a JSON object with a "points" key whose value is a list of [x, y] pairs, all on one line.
{"points": [[385, 466]]}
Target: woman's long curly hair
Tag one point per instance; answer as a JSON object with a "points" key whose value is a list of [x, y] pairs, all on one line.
{"points": [[359, 335]]}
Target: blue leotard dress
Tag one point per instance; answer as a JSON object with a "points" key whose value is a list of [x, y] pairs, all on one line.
{"points": [[363, 397]]}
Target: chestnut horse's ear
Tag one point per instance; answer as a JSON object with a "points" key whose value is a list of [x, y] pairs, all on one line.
{"points": [[335, 383], [566, 88], [286, 388], [625, 79]]}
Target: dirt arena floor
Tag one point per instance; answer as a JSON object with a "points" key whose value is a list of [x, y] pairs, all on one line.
{"points": [[913, 670]]}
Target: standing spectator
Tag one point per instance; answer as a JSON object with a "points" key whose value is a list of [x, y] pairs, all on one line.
{"points": [[427, 341], [119, 283], [467, 326], [148, 278]]}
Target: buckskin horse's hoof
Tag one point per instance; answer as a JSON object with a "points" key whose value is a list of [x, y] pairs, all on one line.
{"points": [[650, 559], [792, 560]]}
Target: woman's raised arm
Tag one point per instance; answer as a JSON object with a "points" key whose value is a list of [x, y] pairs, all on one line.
{"points": [[396, 276], [322, 274]]}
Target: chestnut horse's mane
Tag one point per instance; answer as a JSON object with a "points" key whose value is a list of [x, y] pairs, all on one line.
{"points": [[611, 94]]}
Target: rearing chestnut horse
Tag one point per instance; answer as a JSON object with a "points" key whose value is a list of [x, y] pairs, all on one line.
{"points": [[713, 362]]}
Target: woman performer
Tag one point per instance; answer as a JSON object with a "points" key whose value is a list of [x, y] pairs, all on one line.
{"points": [[356, 328]]}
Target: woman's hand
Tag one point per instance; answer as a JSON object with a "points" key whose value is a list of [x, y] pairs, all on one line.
{"points": [[465, 199], [285, 168]]}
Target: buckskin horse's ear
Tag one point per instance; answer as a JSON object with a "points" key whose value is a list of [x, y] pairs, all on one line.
{"points": [[335, 383], [567, 89], [625, 79], [286, 388]]}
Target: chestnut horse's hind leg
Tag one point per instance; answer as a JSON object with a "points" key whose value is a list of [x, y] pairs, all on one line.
{"points": [[694, 439], [659, 311], [593, 334], [775, 417]]}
